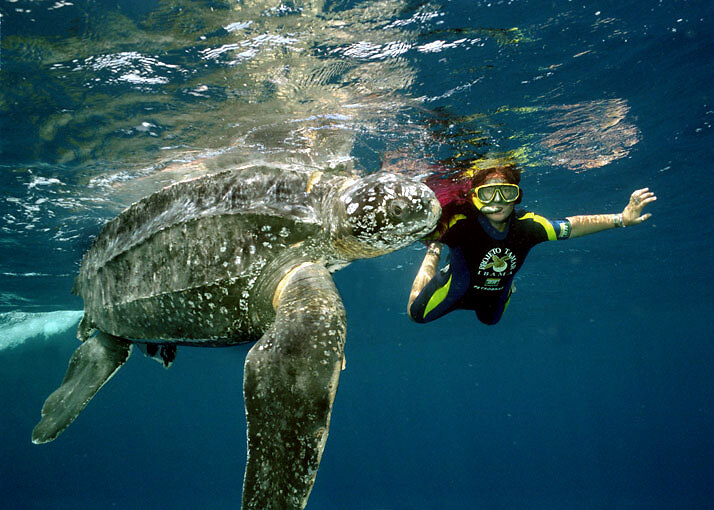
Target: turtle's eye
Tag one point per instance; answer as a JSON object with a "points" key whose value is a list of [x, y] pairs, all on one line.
{"points": [[397, 208]]}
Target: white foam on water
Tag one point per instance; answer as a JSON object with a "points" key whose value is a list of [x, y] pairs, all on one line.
{"points": [[16, 328]]}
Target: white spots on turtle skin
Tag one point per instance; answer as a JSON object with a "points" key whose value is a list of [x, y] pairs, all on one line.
{"points": [[386, 212], [209, 252]]}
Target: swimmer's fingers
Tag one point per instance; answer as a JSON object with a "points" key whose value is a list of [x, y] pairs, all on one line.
{"points": [[642, 197], [632, 215], [638, 220]]}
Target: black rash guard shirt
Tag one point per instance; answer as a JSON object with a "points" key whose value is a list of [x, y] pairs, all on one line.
{"points": [[483, 262]]}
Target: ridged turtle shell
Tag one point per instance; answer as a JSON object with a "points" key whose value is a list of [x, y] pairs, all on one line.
{"points": [[191, 254]]}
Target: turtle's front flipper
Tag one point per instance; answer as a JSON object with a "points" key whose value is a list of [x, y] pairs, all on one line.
{"points": [[290, 381], [91, 365]]}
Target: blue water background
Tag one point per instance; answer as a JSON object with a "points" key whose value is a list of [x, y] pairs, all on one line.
{"points": [[594, 391]]}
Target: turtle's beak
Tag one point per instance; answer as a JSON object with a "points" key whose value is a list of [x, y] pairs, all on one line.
{"points": [[435, 213], [432, 211], [435, 208]]}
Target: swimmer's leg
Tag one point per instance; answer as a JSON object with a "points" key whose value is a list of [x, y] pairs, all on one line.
{"points": [[491, 313], [443, 292]]}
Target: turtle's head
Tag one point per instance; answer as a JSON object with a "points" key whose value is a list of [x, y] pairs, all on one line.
{"points": [[381, 213]]}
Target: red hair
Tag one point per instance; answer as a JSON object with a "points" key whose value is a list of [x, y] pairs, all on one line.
{"points": [[455, 188]]}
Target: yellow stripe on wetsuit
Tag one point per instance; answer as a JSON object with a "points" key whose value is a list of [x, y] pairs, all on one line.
{"points": [[437, 297], [547, 225], [455, 218]]}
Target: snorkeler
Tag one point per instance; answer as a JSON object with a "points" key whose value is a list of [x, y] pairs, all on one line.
{"points": [[488, 241]]}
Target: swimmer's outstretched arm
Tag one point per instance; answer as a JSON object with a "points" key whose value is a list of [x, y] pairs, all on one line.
{"points": [[631, 215], [426, 272]]}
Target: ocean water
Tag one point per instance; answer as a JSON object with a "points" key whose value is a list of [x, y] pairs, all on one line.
{"points": [[594, 391]]}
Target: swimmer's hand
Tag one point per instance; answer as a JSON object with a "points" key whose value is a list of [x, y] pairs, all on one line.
{"points": [[632, 214]]}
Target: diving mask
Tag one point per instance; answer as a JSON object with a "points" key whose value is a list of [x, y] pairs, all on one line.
{"points": [[486, 194]]}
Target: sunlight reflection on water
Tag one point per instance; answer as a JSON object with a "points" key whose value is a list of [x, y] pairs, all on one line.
{"points": [[123, 103]]}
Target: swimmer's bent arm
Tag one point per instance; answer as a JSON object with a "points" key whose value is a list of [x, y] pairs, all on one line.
{"points": [[631, 215], [426, 272]]}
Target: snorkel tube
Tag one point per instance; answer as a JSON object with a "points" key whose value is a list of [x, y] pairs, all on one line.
{"points": [[486, 209]]}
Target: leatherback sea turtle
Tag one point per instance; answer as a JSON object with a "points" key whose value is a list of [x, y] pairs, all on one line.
{"points": [[240, 256]]}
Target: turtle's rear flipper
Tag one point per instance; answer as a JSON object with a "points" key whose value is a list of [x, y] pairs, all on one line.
{"points": [[290, 381], [91, 365], [163, 353]]}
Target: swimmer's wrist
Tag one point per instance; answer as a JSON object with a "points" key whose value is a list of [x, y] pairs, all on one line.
{"points": [[619, 221]]}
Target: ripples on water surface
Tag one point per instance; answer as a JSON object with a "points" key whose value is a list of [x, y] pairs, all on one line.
{"points": [[594, 390], [106, 102]]}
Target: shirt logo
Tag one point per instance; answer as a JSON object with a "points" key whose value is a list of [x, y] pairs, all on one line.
{"points": [[497, 261]]}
